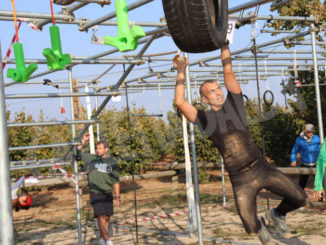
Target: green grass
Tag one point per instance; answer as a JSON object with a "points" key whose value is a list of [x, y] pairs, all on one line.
{"points": [[309, 228]]}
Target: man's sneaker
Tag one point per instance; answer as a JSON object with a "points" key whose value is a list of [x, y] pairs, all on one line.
{"points": [[278, 222], [109, 242], [264, 235], [101, 241]]}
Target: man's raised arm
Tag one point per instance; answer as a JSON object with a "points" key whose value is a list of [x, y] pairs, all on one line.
{"points": [[188, 110], [83, 142], [230, 80]]}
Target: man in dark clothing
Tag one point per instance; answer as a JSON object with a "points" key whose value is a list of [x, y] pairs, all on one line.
{"points": [[227, 126], [103, 179]]}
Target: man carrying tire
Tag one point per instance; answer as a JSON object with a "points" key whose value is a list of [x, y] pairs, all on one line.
{"points": [[103, 180], [227, 127]]}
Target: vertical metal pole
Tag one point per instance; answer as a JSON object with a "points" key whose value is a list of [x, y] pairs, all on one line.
{"points": [[317, 89], [192, 218], [223, 182], [131, 159], [6, 226], [254, 50], [73, 129], [90, 127], [194, 162], [97, 124]]}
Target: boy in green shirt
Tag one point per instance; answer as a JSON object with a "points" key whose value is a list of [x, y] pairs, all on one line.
{"points": [[320, 173]]}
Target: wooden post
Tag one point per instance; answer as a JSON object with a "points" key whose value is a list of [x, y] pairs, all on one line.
{"points": [[81, 195], [78, 108], [175, 182]]}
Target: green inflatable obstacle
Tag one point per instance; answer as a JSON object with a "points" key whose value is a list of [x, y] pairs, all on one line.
{"points": [[127, 38], [21, 73], [54, 57]]}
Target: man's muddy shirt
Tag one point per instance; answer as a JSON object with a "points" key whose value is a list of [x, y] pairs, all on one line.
{"points": [[228, 128]]}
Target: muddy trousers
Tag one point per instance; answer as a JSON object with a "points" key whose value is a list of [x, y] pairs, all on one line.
{"points": [[262, 175]]}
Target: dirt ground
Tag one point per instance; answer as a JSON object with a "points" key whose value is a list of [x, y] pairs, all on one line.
{"points": [[52, 217]]}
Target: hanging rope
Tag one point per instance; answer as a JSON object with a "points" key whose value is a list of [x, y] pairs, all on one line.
{"points": [[62, 109], [217, 76], [296, 75], [270, 101], [283, 84], [295, 63], [52, 15], [196, 95], [15, 18], [266, 73], [244, 97], [159, 94]]}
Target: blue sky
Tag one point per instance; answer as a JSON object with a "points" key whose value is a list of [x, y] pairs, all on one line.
{"points": [[79, 43]]}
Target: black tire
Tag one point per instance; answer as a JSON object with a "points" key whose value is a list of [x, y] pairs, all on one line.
{"points": [[197, 25], [63, 2], [270, 101]]}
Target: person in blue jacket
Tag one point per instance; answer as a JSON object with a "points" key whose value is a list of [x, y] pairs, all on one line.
{"points": [[308, 145]]}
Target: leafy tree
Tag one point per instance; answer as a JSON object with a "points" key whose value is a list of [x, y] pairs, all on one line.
{"points": [[205, 149], [19, 136], [300, 8], [278, 126], [147, 143], [43, 137], [280, 132], [308, 94]]}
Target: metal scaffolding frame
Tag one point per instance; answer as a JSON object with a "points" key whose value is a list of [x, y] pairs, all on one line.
{"points": [[200, 70]]}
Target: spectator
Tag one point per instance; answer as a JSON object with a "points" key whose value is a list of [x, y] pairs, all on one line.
{"points": [[308, 145], [320, 178], [103, 180]]}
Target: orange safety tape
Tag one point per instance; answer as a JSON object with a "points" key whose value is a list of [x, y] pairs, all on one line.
{"points": [[15, 19]]}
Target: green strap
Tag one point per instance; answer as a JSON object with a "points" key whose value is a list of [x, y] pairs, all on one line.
{"points": [[126, 39], [54, 57], [21, 73]]}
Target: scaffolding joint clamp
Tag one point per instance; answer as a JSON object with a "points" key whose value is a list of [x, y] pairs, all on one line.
{"points": [[286, 41], [69, 16], [140, 62], [202, 63], [104, 2], [81, 24]]}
